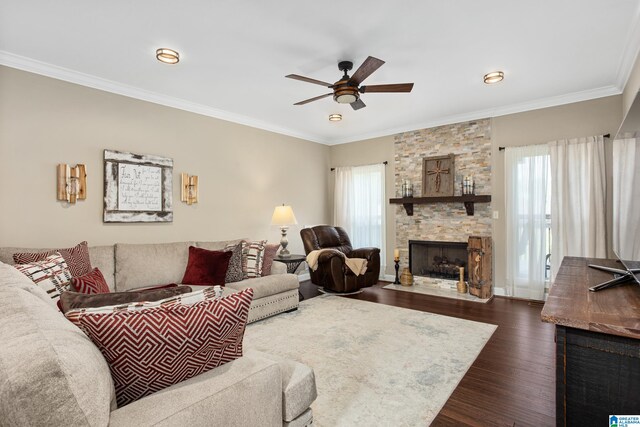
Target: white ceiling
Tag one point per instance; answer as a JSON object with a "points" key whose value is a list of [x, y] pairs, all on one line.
{"points": [[235, 54]]}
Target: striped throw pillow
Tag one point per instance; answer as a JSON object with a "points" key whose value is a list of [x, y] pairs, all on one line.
{"points": [[252, 258], [51, 274]]}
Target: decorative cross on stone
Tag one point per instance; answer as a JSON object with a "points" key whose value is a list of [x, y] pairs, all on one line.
{"points": [[437, 172]]}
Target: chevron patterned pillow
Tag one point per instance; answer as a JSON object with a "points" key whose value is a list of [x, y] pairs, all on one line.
{"points": [[153, 345], [77, 258], [91, 283]]}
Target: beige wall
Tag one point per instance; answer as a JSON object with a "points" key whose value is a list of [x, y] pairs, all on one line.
{"points": [[595, 117], [367, 152], [244, 172], [588, 118], [632, 87]]}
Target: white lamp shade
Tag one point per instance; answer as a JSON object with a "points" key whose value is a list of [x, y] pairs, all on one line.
{"points": [[283, 215]]}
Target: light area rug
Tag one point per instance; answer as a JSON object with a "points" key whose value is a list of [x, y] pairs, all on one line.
{"points": [[374, 364]]}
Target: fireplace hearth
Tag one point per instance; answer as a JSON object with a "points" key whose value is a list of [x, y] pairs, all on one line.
{"points": [[435, 259]]}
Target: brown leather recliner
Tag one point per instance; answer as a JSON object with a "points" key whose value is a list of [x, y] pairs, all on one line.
{"points": [[332, 273]]}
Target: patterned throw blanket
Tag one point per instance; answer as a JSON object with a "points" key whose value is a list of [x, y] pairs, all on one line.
{"points": [[357, 265]]}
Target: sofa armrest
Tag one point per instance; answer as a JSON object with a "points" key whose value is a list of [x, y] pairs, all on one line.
{"points": [[364, 253], [218, 397], [278, 268]]}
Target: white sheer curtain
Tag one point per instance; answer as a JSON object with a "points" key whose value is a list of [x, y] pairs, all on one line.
{"points": [[527, 173], [578, 187], [359, 206], [626, 198]]}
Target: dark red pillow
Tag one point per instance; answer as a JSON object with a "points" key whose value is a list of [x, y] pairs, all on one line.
{"points": [[91, 283], [205, 267], [270, 251]]}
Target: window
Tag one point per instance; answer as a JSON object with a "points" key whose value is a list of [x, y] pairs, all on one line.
{"points": [[528, 220], [359, 205]]}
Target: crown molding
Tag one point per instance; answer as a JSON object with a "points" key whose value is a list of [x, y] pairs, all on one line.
{"points": [[31, 65], [45, 69], [553, 101]]}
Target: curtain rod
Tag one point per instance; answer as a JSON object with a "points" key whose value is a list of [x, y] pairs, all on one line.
{"points": [[606, 135], [384, 163]]}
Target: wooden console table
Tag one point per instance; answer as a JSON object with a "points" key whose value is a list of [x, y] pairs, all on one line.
{"points": [[597, 344]]}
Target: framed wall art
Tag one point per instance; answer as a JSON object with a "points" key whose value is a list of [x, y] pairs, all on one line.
{"points": [[137, 187], [438, 175]]}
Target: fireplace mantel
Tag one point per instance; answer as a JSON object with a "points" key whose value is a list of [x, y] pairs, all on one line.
{"points": [[468, 200]]}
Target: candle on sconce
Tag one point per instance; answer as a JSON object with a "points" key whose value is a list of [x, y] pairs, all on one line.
{"points": [[396, 254]]}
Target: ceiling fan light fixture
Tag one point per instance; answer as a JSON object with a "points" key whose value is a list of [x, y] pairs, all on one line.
{"points": [[346, 98], [493, 77], [335, 117], [168, 56]]}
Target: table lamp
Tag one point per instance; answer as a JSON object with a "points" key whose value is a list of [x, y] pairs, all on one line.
{"points": [[284, 217]]}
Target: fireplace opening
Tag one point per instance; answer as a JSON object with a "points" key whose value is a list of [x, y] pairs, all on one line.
{"points": [[436, 259]]}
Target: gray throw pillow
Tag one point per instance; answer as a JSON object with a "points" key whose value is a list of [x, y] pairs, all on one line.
{"points": [[234, 270]]}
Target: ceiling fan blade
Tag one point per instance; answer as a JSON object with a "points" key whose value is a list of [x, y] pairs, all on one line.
{"points": [[308, 80], [306, 101], [366, 69], [356, 105], [398, 87]]}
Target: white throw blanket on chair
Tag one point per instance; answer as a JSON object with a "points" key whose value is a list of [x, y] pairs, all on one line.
{"points": [[357, 265]]}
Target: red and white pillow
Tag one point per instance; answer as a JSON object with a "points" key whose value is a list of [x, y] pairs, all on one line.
{"points": [[150, 346], [51, 274], [91, 283], [252, 258], [77, 258]]}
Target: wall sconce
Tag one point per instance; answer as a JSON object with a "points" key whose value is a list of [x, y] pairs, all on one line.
{"points": [[189, 192], [72, 182]]}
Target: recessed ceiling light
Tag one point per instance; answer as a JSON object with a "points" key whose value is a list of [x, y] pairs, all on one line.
{"points": [[335, 117], [168, 56], [493, 77]]}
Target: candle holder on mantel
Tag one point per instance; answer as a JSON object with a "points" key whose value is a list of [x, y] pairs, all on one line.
{"points": [[397, 281]]}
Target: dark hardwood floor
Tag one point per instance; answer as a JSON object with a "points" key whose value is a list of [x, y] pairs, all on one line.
{"points": [[512, 382]]}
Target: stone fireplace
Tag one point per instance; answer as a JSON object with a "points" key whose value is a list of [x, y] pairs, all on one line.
{"points": [[470, 143]]}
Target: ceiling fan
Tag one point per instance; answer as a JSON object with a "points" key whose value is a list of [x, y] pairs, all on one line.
{"points": [[347, 90]]}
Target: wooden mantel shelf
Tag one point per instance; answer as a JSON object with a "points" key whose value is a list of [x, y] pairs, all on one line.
{"points": [[468, 200]]}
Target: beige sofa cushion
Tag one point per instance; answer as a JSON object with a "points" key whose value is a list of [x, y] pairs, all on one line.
{"points": [[241, 393], [217, 246], [267, 285], [50, 372], [103, 257], [138, 266], [298, 386]]}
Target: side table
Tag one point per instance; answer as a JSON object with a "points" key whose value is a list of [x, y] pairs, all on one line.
{"points": [[292, 262]]}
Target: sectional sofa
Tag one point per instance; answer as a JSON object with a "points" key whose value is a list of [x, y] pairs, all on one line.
{"points": [[130, 266], [52, 374]]}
